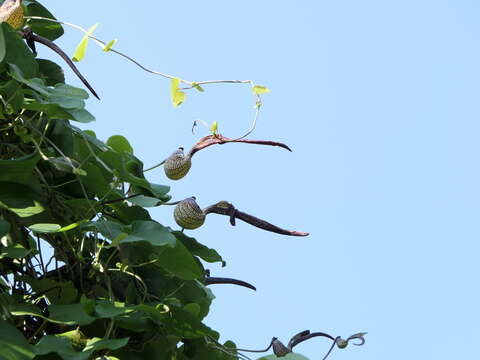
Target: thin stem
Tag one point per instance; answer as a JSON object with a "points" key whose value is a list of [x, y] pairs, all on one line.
{"points": [[330, 350], [40, 253], [119, 200], [192, 84], [155, 166]]}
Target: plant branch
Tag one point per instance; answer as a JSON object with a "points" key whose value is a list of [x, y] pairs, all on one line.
{"points": [[192, 84]]}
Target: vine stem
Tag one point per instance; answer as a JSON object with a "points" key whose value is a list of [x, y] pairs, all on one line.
{"points": [[102, 44], [192, 84]]}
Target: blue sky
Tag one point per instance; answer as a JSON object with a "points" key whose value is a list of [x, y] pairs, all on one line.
{"points": [[378, 100]]}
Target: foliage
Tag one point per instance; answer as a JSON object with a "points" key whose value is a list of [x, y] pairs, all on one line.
{"points": [[119, 285]]}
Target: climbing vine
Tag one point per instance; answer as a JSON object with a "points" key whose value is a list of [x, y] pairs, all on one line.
{"points": [[85, 271]]}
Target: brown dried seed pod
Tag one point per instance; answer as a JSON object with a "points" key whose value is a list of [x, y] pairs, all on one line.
{"points": [[188, 214], [177, 165]]}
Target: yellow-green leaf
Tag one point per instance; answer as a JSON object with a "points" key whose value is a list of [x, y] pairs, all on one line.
{"points": [[214, 127], [81, 49], [110, 45], [260, 89], [198, 87], [178, 96]]}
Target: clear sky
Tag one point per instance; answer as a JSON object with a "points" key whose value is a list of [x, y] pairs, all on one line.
{"points": [[379, 101]]}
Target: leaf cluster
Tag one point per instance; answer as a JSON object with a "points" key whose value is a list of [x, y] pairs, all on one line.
{"points": [[84, 272]]}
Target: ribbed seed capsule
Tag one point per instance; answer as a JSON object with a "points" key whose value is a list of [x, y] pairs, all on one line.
{"points": [[188, 214], [177, 165], [279, 349], [11, 12]]}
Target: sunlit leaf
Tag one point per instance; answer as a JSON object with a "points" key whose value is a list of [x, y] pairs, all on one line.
{"points": [[178, 96], [97, 344], [81, 49], [214, 127], [110, 44], [260, 89], [197, 87], [60, 345], [45, 228]]}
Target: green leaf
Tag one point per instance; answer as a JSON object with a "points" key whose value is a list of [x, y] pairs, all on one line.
{"points": [[118, 162], [4, 227], [60, 345], [67, 165], [19, 170], [145, 201], [45, 228], [13, 346], [197, 249], [67, 96], [18, 53], [260, 89], [119, 143], [59, 293], [72, 226], [80, 115], [109, 46], [20, 199], [108, 309], [109, 229], [198, 87], [97, 344], [184, 324], [180, 262], [76, 337], [160, 191], [51, 73], [151, 232], [178, 96], [15, 251], [214, 127], [73, 314], [3, 50], [49, 29], [81, 49], [12, 90]]}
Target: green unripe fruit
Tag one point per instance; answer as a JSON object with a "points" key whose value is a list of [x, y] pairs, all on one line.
{"points": [[188, 214], [177, 165]]}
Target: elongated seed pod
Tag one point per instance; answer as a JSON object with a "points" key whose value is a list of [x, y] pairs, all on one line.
{"points": [[177, 165], [11, 12], [188, 214]]}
